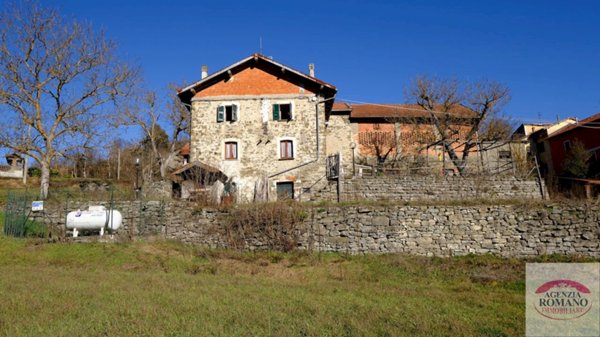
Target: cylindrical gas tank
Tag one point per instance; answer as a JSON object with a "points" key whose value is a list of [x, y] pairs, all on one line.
{"points": [[96, 217]]}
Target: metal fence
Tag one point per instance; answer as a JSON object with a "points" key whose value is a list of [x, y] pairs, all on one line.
{"points": [[16, 215]]}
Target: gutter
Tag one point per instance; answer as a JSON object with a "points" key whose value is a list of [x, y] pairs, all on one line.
{"points": [[318, 144]]}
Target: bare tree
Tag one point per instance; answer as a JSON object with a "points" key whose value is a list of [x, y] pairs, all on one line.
{"points": [[496, 129], [56, 78], [444, 100], [146, 114]]}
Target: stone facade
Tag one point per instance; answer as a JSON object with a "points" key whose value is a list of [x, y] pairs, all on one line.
{"points": [[338, 139], [259, 122], [506, 230], [258, 138]]}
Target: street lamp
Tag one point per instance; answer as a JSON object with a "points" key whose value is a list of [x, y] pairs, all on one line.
{"points": [[137, 178], [353, 146]]}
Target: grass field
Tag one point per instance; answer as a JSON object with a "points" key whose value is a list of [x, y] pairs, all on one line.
{"points": [[169, 289]]}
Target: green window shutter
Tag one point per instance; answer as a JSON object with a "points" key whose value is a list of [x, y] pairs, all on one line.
{"points": [[220, 113], [275, 112], [234, 110]]}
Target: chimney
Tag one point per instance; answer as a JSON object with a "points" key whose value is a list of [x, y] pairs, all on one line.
{"points": [[311, 70], [204, 71]]}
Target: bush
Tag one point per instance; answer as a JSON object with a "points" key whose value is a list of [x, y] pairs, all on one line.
{"points": [[34, 172], [273, 224], [35, 229], [576, 163]]}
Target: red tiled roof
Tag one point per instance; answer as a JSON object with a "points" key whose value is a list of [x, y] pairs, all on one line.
{"points": [[396, 110], [185, 150], [593, 118], [186, 93], [341, 106]]}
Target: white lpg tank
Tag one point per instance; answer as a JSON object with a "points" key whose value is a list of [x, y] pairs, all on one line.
{"points": [[96, 217]]}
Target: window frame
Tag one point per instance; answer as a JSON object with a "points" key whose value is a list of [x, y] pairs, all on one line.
{"points": [[231, 155], [222, 112], [284, 154], [276, 110], [567, 145], [504, 154]]}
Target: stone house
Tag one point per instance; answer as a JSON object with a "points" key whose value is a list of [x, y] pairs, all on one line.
{"points": [[261, 130], [261, 124], [15, 167], [400, 132]]}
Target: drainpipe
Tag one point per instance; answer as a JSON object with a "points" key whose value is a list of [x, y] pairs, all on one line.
{"points": [[318, 145]]}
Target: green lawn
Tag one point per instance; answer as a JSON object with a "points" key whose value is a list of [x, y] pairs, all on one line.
{"points": [[168, 289]]}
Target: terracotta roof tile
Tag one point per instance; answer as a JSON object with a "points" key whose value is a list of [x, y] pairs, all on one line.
{"points": [[396, 110], [341, 106], [185, 150]]}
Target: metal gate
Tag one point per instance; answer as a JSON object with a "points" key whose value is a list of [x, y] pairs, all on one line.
{"points": [[16, 213]]}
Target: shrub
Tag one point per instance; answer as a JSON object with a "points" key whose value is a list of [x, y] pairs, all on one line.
{"points": [[576, 163], [35, 229], [273, 224]]}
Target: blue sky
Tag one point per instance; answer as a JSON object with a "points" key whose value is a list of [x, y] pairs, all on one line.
{"points": [[547, 52]]}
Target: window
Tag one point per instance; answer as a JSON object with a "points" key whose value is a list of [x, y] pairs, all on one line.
{"points": [[286, 149], [540, 147], [282, 112], [567, 145], [227, 113], [285, 190], [504, 154], [231, 152]]}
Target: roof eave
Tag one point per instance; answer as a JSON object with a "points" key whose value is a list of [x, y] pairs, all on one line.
{"points": [[187, 93]]}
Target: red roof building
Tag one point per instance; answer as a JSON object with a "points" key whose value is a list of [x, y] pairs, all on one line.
{"points": [[587, 132]]}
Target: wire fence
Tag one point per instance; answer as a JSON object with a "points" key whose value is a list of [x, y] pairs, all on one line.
{"points": [[25, 215]]}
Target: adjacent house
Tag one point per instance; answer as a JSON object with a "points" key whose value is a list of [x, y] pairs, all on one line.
{"points": [[532, 138], [560, 142], [405, 135], [15, 167], [262, 126]]}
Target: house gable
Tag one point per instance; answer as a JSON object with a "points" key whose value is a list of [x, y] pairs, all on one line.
{"points": [[256, 75], [253, 81]]}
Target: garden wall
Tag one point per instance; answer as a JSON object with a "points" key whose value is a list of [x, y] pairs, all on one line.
{"points": [[410, 188], [507, 230]]}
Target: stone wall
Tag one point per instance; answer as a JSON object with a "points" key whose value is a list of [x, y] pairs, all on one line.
{"points": [[507, 230], [450, 188], [258, 139]]}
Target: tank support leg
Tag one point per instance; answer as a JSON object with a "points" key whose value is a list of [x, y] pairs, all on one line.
{"points": [[102, 231], [75, 232]]}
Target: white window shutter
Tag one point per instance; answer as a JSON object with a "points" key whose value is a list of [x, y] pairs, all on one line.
{"points": [[234, 112], [292, 112], [264, 111], [221, 113]]}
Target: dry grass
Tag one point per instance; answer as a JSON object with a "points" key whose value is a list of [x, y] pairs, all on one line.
{"points": [[168, 289]]}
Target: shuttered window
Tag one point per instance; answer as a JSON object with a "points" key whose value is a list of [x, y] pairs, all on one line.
{"points": [[282, 112], [227, 113]]}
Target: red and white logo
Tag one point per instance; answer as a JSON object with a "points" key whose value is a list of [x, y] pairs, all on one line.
{"points": [[563, 300]]}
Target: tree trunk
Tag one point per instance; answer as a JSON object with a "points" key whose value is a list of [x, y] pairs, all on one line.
{"points": [[165, 163], [45, 179]]}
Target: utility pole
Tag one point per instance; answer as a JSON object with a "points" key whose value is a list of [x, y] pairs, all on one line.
{"points": [[118, 163]]}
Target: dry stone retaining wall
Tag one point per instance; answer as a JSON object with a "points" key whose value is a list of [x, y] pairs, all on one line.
{"points": [[506, 230], [410, 188]]}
